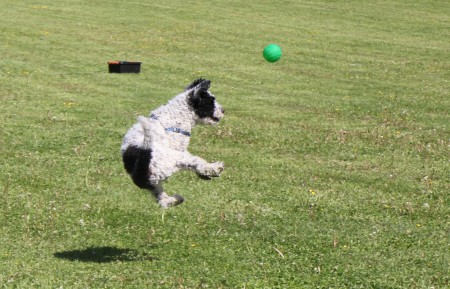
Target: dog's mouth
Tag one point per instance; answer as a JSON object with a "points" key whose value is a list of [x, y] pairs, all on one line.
{"points": [[212, 120], [219, 113]]}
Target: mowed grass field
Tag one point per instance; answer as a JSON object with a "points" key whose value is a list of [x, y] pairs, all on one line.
{"points": [[337, 156]]}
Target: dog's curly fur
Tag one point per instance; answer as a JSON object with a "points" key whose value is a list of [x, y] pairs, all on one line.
{"points": [[156, 147]]}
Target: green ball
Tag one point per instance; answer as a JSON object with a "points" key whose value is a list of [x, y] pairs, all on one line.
{"points": [[272, 52]]}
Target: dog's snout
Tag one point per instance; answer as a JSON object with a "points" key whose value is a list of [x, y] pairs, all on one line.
{"points": [[222, 110]]}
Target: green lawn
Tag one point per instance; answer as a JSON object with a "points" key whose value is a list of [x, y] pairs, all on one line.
{"points": [[337, 156]]}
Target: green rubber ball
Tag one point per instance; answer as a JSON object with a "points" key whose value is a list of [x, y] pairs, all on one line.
{"points": [[272, 52]]}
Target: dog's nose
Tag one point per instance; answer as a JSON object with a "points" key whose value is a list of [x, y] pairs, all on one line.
{"points": [[223, 110]]}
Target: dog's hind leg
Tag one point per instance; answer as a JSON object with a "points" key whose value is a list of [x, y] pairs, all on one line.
{"points": [[164, 199]]}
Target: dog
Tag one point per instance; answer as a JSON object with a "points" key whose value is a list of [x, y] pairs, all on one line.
{"points": [[156, 146]]}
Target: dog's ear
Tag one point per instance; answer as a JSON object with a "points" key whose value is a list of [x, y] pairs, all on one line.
{"points": [[200, 89], [205, 84], [194, 84]]}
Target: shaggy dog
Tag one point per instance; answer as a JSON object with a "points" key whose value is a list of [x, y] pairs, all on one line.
{"points": [[156, 147]]}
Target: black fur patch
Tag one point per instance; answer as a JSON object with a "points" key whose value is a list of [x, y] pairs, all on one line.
{"points": [[204, 105], [136, 161], [201, 100], [195, 83]]}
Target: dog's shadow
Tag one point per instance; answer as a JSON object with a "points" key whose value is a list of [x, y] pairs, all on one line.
{"points": [[104, 255]]}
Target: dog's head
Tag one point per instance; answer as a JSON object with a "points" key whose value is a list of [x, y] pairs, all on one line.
{"points": [[203, 102]]}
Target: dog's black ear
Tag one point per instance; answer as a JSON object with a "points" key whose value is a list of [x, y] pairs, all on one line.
{"points": [[200, 89], [194, 83], [204, 85]]}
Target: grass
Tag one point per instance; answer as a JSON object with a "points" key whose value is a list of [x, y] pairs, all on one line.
{"points": [[337, 156]]}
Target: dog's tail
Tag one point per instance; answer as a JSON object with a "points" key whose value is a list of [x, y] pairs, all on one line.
{"points": [[145, 122], [137, 159]]}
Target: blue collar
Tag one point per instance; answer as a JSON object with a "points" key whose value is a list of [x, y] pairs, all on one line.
{"points": [[173, 129]]}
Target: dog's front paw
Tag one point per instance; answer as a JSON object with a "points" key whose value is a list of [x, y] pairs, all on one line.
{"points": [[211, 170], [170, 201]]}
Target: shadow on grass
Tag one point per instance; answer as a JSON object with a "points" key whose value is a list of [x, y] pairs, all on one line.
{"points": [[104, 255]]}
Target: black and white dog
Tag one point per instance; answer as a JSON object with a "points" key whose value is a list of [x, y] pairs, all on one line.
{"points": [[156, 147]]}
